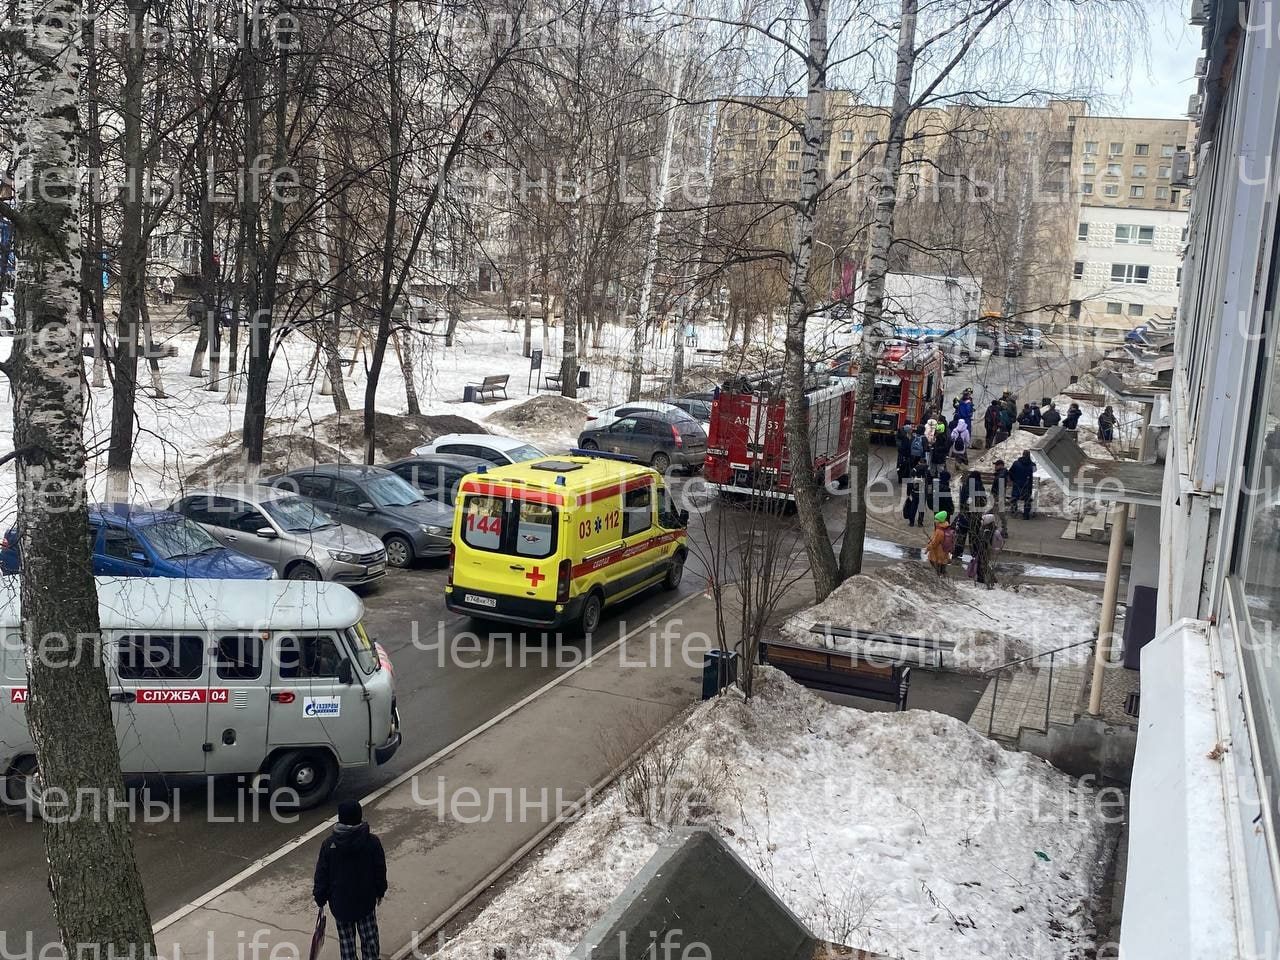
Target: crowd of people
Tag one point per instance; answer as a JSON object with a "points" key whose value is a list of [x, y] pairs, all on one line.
{"points": [[973, 517]]}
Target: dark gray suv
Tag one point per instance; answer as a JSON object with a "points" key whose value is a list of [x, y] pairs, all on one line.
{"points": [[374, 499], [660, 438]]}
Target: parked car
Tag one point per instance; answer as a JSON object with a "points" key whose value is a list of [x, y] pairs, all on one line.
{"points": [[287, 531], [377, 501], [1138, 335], [601, 418], [1008, 346], [484, 446], [660, 438], [437, 475], [8, 319], [1033, 338], [144, 542], [697, 406]]}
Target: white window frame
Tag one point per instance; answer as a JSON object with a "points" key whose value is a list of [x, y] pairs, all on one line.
{"points": [[1131, 274]]}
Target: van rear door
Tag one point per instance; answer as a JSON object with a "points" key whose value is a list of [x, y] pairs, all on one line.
{"points": [[510, 544], [309, 704], [159, 700], [238, 705]]}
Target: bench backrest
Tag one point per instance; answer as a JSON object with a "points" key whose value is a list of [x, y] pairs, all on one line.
{"points": [[837, 661], [497, 380]]}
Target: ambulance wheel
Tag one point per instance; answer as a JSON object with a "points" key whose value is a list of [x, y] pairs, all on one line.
{"points": [[309, 775], [660, 462], [592, 610], [23, 787], [675, 573], [399, 551]]}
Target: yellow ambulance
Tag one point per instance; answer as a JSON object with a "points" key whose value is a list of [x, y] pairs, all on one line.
{"points": [[551, 542]]}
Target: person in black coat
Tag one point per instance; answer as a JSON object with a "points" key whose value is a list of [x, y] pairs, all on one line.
{"points": [[351, 877], [1051, 416], [1020, 475], [942, 496], [904, 453], [1073, 416]]}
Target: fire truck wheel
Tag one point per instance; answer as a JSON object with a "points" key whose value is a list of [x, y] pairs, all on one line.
{"points": [[309, 775]]}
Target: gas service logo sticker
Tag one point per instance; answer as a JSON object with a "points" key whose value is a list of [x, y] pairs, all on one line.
{"points": [[320, 708]]}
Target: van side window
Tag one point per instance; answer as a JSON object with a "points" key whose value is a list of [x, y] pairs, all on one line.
{"points": [[14, 657], [159, 657], [308, 656], [637, 511], [239, 657], [536, 530]]}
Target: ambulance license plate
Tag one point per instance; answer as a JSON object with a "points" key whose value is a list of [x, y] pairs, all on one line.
{"points": [[479, 601]]}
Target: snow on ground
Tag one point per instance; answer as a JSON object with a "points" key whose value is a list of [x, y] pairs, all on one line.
{"points": [[177, 435], [551, 422], [989, 627], [906, 834]]}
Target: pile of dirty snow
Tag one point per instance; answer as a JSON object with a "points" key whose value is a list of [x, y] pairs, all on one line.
{"points": [[551, 421], [904, 834], [281, 452], [989, 627], [395, 435]]}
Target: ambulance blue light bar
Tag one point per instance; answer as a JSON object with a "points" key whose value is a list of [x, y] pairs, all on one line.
{"points": [[602, 455]]}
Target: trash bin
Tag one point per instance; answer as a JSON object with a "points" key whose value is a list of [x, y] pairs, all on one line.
{"points": [[469, 394], [584, 378], [719, 669]]}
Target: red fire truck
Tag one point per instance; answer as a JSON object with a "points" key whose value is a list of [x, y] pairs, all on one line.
{"points": [[909, 382], [746, 439]]}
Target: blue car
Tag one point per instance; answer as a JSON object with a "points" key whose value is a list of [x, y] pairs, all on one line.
{"points": [[152, 543]]}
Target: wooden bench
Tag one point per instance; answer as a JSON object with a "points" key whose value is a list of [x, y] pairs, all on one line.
{"points": [[939, 646], [553, 381], [707, 357], [488, 388], [839, 672]]}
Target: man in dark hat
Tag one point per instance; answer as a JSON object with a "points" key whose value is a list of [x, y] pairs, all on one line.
{"points": [[351, 877]]}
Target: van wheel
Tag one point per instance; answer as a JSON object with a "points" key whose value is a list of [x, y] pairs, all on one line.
{"points": [[304, 571], [23, 787], [675, 573], [399, 551], [311, 775], [660, 462], [589, 619]]}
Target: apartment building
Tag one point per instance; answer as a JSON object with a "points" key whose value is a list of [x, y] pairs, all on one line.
{"points": [[1004, 189], [1203, 872]]}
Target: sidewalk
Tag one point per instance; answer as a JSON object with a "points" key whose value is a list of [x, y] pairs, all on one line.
{"points": [[526, 766]]}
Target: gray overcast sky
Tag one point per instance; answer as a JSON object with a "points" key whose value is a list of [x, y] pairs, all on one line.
{"points": [[1161, 82]]}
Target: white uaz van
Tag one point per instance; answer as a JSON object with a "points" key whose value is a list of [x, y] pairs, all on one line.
{"points": [[220, 677]]}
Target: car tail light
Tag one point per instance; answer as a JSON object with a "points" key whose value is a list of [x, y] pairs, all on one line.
{"points": [[563, 577], [449, 577], [675, 433]]}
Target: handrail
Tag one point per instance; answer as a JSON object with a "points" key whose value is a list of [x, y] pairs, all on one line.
{"points": [[1037, 656]]}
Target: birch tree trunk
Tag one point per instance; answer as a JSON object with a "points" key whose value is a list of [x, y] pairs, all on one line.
{"points": [[97, 892], [886, 203], [808, 492]]}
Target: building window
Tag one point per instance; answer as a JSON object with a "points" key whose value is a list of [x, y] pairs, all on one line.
{"points": [[1082, 231], [1136, 273], [1091, 148], [1141, 149], [1113, 169], [750, 144], [753, 124], [1077, 270], [1166, 150], [792, 183], [727, 143], [846, 136], [1139, 170], [1086, 188], [1111, 190], [1137, 191], [1115, 309], [773, 145], [1073, 309], [1089, 168], [1164, 172], [1029, 136], [1162, 193], [1133, 233], [1135, 310], [773, 123], [1173, 197], [794, 146], [1116, 149], [846, 156], [793, 164], [1178, 279], [870, 136], [770, 185]]}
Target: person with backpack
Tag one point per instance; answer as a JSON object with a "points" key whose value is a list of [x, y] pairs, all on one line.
{"points": [[936, 550], [1025, 417], [351, 877], [918, 446], [960, 443]]}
